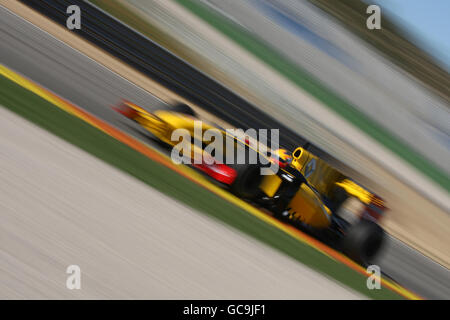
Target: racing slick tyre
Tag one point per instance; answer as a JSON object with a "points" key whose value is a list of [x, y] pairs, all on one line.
{"points": [[248, 179], [338, 197], [363, 241], [183, 108]]}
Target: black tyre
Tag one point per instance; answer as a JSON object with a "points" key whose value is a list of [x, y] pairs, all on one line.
{"points": [[363, 241], [248, 179], [183, 108], [338, 197]]}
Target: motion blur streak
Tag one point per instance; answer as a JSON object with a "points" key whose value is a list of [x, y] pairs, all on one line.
{"points": [[79, 79], [193, 176], [61, 206]]}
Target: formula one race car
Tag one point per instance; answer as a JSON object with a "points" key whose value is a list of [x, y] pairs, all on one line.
{"points": [[162, 124], [354, 211], [300, 189]]}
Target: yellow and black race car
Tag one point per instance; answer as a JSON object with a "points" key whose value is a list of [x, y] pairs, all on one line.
{"points": [[303, 190], [356, 211]]}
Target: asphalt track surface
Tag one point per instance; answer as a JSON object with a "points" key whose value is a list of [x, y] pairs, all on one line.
{"points": [[61, 206], [79, 79], [346, 65], [413, 216]]}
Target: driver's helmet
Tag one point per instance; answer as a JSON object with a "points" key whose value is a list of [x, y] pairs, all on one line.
{"points": [[283, 157]]}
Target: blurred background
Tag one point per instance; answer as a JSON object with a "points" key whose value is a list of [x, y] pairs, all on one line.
{"points": [[374, 103], [392, 83]]}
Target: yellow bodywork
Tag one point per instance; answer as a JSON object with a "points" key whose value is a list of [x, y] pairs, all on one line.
{"points": [[318, 173], [270, 185], [355, 190], [305, 206], [324, 178], [162, 124]]}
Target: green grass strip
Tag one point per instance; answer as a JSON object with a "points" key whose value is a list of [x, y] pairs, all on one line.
{"points": [[117, 154], [305, 81]]}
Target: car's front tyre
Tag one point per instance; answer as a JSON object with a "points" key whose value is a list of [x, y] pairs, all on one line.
{"points": [[247, 182], [363, 241]]}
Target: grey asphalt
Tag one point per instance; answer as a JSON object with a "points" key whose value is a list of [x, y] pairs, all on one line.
{"points": [[351, 68], [60, 207], [79, 79]]}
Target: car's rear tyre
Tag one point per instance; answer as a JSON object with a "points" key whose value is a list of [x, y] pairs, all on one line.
{"points": [[363, 241], [183, 108], [247, 182], [338, 197]]}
